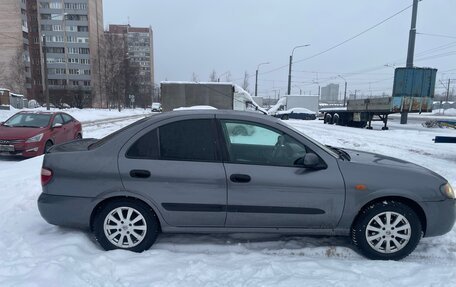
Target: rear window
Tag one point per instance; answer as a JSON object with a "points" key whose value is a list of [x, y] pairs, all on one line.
{"points": [[114, 134]]}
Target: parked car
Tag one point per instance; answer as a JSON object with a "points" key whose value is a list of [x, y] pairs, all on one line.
{"points": [[185, 172], [29, 134], [296, 113], [156, 107]]}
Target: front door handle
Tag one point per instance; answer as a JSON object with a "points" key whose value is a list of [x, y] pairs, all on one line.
{"points": [[240, 178], [139, 173]]}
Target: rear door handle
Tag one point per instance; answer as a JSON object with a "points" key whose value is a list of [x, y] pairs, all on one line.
{"points": [[139, 173], [240, 178]]}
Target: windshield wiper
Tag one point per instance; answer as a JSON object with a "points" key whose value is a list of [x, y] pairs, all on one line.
{"points": [[343, 154]]}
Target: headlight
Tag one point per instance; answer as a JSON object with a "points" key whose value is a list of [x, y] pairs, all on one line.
{"points": [[35, 139], [448, 191]]}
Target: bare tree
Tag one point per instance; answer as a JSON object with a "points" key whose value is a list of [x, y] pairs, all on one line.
{"points": [[12, 74], [195, 77], [228, 76], [245, 83], [113, 54], [213, 76]]}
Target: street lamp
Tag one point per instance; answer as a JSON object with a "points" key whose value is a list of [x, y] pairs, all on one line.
{"points": [[345, 91], [256, 77], [289, 67]]}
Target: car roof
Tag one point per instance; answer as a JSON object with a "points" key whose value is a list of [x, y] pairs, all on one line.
{"points": [[229, 113], [38, 112]]}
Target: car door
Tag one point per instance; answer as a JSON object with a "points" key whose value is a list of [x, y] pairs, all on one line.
{"points": [[68, 127], [267, 189], [178, 167], [58, 132]]}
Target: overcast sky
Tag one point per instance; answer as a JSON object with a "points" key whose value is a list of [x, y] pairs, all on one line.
{"points": [[198, 36]]}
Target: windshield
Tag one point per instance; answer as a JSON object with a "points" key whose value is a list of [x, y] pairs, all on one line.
{"points": [[28, 120], [323, 147]]}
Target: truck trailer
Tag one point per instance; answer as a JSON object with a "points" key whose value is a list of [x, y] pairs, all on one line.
{"points": [[413, 92]]}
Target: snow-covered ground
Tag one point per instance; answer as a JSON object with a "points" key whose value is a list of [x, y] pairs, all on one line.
{"points": [[84, 115], [34, 253]]}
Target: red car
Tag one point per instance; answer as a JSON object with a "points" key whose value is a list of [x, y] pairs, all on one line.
{"points": [[29, 134]]}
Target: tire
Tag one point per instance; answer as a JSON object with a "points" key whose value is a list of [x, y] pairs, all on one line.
{"points": [[126, 236], [402, 236], [336, 119], [329, 119], [47, 146], [285, 117]]}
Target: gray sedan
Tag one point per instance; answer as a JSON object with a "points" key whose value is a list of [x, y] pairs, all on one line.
{"points": [[189, 172]]}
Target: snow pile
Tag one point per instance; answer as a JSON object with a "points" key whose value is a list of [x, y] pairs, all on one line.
{"points": [[240, 93], [84, 115], [298, 111]]}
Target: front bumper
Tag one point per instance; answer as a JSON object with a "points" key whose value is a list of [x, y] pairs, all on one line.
{"points": [[67, 211], [440, 217], [25, 149]]}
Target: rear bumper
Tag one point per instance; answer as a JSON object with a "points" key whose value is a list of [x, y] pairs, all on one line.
{"points": [[440, 217], [67, 211]]}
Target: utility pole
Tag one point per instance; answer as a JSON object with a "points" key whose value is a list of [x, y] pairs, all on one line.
{"points": [[411, 50], [256, 77], [289, 67], [345, 90], [45, 84], [448, 91]]}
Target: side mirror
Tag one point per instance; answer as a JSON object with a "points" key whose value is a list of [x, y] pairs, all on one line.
{"points": [[57, 125], [310, 161]]}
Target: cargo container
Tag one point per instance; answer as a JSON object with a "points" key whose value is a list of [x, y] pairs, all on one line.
{"points": [[223, 96]]}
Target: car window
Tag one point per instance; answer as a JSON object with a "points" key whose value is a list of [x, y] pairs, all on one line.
{"points": [[67, 118], [28, 120], [57, 120], [251, 143], [193, 140], [146, 147]]}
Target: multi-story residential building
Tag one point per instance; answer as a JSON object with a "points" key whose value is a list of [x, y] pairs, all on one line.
{"points": [[330, 94], [139, 45], [72, 30]]}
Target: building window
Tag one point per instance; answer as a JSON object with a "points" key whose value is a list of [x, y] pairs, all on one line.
{"points": [[84, 51], [83, 29]]}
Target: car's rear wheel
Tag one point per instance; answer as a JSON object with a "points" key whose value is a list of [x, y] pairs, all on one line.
{"points": [[387, 230], [126, 224]]}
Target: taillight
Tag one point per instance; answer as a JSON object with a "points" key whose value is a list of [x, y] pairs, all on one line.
{"points": [[46, 176]]}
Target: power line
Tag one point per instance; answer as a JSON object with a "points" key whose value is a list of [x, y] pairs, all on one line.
{"points": [[337, 45], [356, 36], [437, 35]]}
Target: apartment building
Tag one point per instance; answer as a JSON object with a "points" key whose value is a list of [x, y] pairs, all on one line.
{"points": [[72, 30], [139, 44]]}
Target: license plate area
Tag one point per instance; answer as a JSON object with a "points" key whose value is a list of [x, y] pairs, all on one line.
{"points": [[7, 148]]}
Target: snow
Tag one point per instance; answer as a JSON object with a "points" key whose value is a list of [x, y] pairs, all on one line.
{"points": [[35, 253], [82, 115], [297, 110], [194, 108]]}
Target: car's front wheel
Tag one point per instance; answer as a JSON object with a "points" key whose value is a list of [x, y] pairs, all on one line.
{"points": [[126, 224], [387, 230]]}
